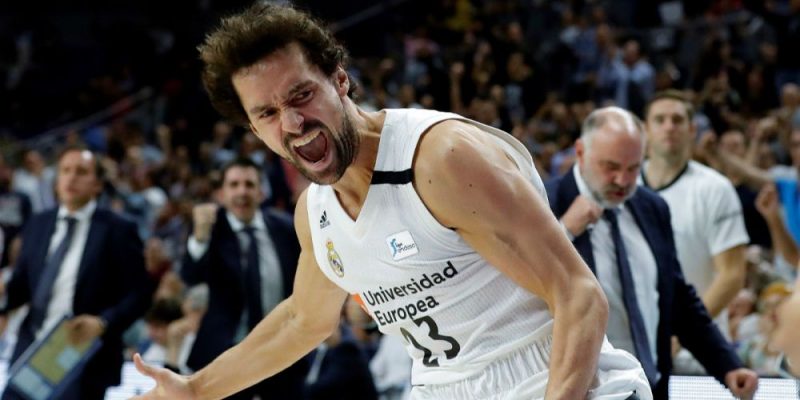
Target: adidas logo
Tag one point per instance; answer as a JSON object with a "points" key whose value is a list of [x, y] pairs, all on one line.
{"points": [[323, 221]]}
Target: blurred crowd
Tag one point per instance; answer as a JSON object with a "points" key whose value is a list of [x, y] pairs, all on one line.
{"points": [[535, 68]]}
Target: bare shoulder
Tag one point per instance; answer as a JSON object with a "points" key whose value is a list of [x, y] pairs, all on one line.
{"points": [[452, 148], [456, 161]]}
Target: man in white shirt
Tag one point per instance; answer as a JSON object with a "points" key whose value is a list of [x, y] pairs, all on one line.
{"points": [[707, 218]]}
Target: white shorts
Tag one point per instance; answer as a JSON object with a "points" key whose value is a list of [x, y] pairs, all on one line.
{"points": [[524, 374]]}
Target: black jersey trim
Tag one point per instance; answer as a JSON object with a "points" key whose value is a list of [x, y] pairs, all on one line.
{"points": [[392, 177], [670, 183]]}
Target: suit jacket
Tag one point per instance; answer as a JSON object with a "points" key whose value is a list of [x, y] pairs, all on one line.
{"points": [[112, 283], [681, 312], [220, 268]]}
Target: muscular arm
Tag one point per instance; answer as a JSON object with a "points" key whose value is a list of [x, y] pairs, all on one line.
{"points": [[291, 330], [731, 269], [469, 184]]}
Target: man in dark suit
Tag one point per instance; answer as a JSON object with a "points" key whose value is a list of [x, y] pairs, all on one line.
{"points": [[248, 258], [623, 233], [85, 261]]}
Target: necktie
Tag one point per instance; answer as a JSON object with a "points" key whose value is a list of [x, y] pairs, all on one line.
{"points": [[252, 281], [44, 289], [638, 332]]}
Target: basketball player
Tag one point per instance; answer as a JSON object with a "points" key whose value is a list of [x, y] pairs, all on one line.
{"points": [[437, 225]]}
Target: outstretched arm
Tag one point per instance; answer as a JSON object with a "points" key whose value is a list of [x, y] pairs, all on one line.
{"points": [[291, 330], [470, 184], [753, 176]]}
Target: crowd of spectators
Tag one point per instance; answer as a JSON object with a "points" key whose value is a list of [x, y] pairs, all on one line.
{"points": [[535, 68]]}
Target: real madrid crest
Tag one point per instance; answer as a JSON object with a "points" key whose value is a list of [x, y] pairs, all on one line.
{"points": [[333, 260]]}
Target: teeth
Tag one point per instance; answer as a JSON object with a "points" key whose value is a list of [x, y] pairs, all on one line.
{"points": [[305, 139]]}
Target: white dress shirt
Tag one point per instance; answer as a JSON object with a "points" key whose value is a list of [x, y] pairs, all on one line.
{"points": [[64, 285], [643, 270]]}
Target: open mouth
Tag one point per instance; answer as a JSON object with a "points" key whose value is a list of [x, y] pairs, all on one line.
{"points": [[311, 147]]}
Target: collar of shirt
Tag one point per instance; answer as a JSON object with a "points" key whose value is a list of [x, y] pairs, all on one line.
{"points": [[82, 214], [583, 189], [237, 225]]}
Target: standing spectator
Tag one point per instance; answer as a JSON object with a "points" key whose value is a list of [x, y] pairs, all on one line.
{"points": [[248, 258], [80, 260], [651, 302], [707, 219], [635, 78], [15, 209], [706, 213], [35, 179], [8, 338]]}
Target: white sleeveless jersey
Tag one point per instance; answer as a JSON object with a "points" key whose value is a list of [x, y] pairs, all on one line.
{"points": [[418, 279]]}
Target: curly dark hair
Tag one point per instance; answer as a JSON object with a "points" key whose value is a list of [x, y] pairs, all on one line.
{"points": [[243, 39]]}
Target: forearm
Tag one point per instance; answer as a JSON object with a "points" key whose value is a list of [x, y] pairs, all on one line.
{"points": [[753, 176], [722, 290], [578, 331], [275, 343], [751, 156], [782, 242]]}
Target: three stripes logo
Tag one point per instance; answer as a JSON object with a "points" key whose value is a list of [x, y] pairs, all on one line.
{"points": [[323, 221]]}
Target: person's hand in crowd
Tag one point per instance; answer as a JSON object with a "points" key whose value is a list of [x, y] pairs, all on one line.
{"points": [[84, 328], [204, 216], [767, 202], [169, 385], [764, 129], [742, 383], [456, 71], [3, 324], [582, 213]]}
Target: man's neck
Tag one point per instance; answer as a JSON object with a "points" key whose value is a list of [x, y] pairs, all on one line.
{"points": [[661, 171], [353, 186]]}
